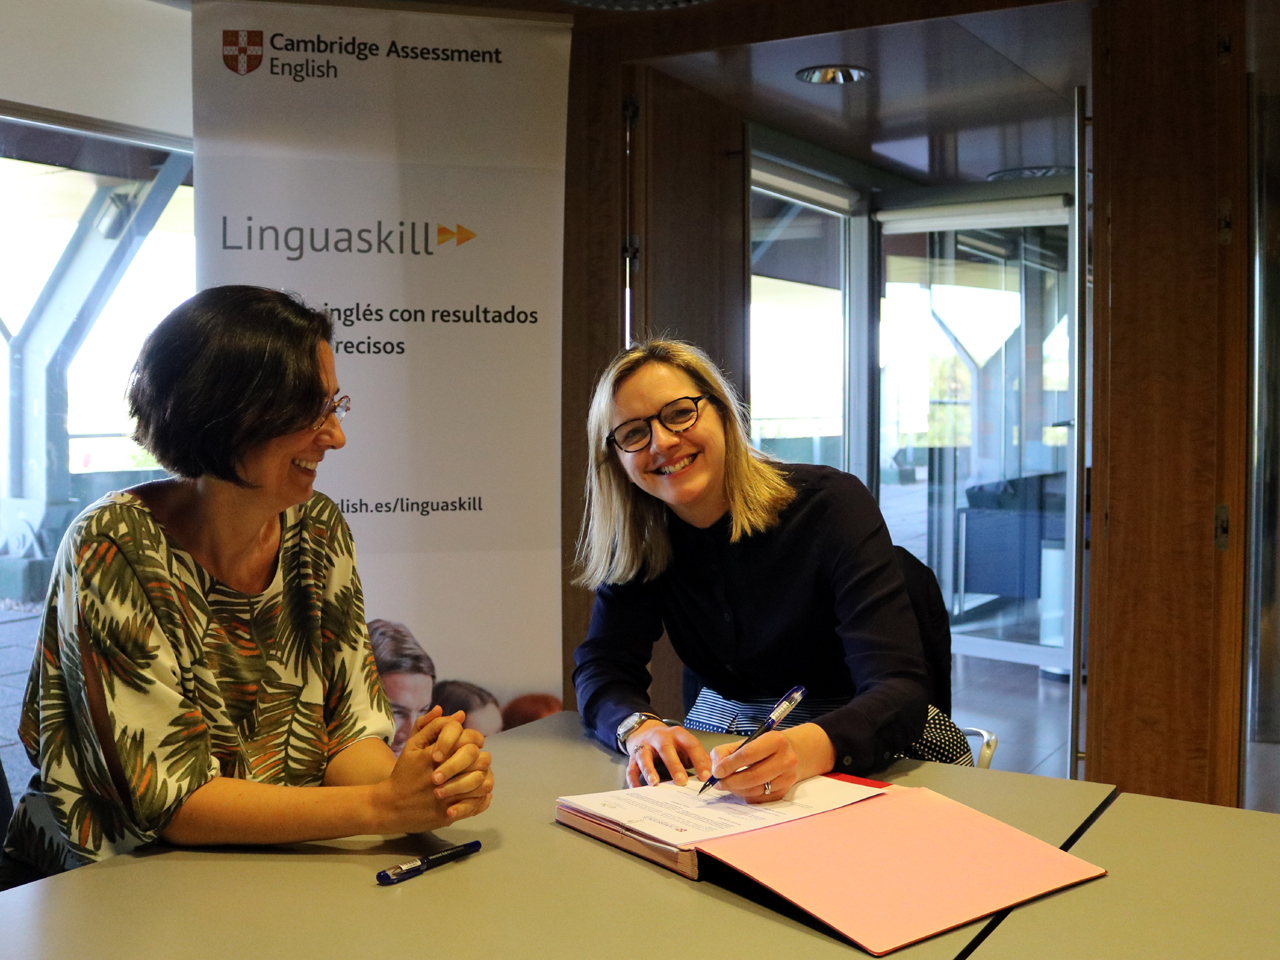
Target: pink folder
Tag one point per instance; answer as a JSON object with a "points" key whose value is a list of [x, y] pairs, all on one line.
{"points": [[900, 867]]}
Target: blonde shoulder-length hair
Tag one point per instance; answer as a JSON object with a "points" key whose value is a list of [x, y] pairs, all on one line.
{"points": [[624, 529]]}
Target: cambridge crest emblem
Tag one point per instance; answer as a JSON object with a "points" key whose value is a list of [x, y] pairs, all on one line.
{"points": [[242, 50]]}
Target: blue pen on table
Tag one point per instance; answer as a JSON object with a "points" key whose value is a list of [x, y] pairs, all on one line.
{"points": [[785, 706], [413, 868]]}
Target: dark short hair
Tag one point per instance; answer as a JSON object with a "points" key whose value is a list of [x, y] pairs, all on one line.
{"points": [[396, 649], [454, 695], [228, 369]]}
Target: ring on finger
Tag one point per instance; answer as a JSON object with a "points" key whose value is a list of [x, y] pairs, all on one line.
{"points": [[768, 787]]}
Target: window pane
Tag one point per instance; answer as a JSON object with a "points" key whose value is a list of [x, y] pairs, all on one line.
{"points": [[161, 276], [974, 397], [42, 205], [71, 207], [797, 331]]}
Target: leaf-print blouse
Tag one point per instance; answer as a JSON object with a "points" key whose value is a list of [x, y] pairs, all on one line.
{"points": [[151, 677]]}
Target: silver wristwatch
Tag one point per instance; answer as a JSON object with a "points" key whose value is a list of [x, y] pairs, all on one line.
{"points": [[631, 724]]}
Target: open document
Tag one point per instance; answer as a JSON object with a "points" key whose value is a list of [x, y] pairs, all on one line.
{"points": [[678, 816], [905, 864]]}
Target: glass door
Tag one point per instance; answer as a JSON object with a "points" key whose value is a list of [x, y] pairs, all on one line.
{"points": [[975, 409], [978, 374], [936, 357]]}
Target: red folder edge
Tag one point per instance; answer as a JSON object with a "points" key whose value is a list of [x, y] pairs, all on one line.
{"points": [[863, 781]]}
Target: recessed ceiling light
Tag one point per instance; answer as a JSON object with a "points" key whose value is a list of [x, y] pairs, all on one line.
{"points": [[833, 73]]}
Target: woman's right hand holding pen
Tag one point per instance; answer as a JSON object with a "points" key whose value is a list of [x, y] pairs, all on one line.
{"points": [[779, 759]]}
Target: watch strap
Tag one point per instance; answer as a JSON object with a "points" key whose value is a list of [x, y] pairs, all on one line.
{"points": [[632, 723]]}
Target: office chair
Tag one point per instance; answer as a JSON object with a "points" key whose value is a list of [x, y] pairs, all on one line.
{"points": [[6, 803], [935, 634]]}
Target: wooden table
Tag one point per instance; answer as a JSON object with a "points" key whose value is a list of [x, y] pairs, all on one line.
{"points": [[536, 890]]}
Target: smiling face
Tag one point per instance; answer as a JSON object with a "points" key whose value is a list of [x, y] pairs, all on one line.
{"points": [[283, 469], [683, 470], [410, 696]]}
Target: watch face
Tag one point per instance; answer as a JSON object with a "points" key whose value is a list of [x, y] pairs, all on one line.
{"points": [[629, 726]]}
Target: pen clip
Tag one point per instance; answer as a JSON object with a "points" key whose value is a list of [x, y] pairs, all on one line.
{"points": [[786, 704], [405, 867]]}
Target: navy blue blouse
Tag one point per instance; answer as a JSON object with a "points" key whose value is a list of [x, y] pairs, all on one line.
{"points": [[817, 600]]}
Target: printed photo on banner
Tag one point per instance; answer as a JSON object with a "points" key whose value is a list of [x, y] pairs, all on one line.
{"points": [[409, 679]]}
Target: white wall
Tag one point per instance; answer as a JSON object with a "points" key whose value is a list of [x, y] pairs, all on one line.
{"points": [[126, 61]]}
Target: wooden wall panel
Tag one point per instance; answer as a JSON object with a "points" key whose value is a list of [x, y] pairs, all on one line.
{"points": [[1165, 629], [1233, 357], [691, 185]]}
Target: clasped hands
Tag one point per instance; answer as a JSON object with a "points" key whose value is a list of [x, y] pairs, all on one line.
{"points": [[777, 759], [441, 776]]}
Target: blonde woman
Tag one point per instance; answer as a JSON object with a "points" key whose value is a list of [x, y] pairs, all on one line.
{"points": [[764, 576]]}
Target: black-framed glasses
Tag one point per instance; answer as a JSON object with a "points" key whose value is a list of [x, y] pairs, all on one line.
{"points": [[677, 416], [337, 408]]}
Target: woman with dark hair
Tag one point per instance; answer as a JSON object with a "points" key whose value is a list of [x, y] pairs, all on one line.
{"points": [[203, 655], [764, 575]]}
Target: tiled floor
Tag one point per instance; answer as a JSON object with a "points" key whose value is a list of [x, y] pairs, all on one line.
{"points": [[1027, 712]]}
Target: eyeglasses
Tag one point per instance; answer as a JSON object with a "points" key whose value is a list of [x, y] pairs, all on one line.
{"points": [[677, 416], [338, 409]]}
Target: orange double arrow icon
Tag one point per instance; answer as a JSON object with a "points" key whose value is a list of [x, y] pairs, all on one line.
{"points": [[444, 234]]}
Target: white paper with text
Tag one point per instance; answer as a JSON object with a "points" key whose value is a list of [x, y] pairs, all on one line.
{"points": [[679, 816]]}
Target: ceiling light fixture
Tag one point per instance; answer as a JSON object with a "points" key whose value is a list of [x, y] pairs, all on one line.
{"points": [[833, 73]]}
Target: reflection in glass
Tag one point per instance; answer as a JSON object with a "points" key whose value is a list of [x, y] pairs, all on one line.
{"points": [[797, 331], [975, 406]]}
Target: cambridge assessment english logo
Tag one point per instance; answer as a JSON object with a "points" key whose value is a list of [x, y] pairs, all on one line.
{"points": [[242, 50]]}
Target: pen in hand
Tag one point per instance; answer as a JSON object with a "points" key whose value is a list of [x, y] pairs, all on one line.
{"points": [[784, 706], [413, 868]]}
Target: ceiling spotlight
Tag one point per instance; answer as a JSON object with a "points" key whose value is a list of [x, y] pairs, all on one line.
{"points": [[833, 73]]}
